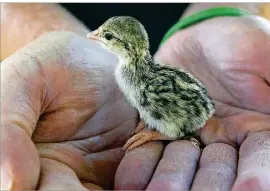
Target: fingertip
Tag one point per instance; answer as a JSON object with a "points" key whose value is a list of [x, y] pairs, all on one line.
{"points": [[217, 153], [252, 183], [136, 168], [177, 167], [253, 166], [217, 168]]}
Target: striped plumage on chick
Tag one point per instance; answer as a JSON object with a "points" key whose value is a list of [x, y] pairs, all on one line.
{"points": [[172, 103]]}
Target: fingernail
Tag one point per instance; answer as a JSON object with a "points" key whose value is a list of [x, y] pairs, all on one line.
{"points": [[5, 180]]}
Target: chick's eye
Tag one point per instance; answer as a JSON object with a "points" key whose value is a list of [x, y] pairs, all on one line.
{"points": [[108, 36]]}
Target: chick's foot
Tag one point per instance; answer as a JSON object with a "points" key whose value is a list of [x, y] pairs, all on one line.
{"points": [[143, 137], [141, 126], [194, 141]]}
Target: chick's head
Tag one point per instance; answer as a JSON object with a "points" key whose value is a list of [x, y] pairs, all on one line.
{"points": [[125, 36]]}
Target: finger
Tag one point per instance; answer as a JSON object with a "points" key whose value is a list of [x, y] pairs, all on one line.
{"points": [[137, 166], [57, 176], [176, 169], [24, 96], [254, 163], [217, 168], [103, 166], [21, 98]]}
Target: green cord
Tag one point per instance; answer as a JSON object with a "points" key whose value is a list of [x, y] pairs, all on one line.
{"points": [[203, 15]]}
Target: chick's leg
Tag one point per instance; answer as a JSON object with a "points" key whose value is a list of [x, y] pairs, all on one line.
{"points": [[140, 127], [143, 137]]}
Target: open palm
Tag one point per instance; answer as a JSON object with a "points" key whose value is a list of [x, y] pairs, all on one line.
{"points": [[231, 57]]}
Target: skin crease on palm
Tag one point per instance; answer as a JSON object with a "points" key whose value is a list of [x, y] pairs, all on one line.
{"points": [[60, 92]]}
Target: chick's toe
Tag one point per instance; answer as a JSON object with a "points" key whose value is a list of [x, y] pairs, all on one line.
{"points": [[143, 137]]}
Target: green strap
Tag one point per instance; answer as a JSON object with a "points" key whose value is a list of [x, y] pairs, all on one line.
{"points": [[203, 15]]}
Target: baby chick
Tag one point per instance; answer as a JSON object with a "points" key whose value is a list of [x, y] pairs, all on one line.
{"points": [[172, 103]]}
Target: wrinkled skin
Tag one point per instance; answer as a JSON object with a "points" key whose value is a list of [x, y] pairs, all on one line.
{"points": [[59, 100], [231, 57], [66, 85], [234, 65]]}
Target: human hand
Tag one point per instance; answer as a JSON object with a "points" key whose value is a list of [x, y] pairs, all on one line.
{"points": [[231, 57], [175, 170], [63, 119], [72, 154]]}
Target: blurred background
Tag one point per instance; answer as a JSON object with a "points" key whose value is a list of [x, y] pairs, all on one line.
{"points": [[34, 19], [157, 18]]}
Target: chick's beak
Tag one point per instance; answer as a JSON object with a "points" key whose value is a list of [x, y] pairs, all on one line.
{"points": [[93, 35]]}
